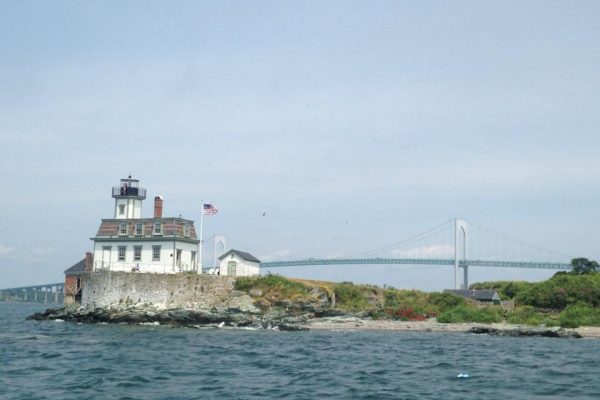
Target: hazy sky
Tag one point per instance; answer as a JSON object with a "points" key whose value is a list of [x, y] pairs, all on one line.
{"points": [[390, 116]]}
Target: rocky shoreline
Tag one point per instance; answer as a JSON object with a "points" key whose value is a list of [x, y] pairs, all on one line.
{"points": [[245, 315], [148, 314]]}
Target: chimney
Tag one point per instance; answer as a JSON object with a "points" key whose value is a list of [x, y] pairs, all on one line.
{"points": [[158, 203], [89, 262]]}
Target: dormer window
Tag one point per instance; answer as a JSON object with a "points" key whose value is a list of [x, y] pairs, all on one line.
{"points": [[186, 230], [123, 228], [121, 209], [158, 228], [139, 229]]}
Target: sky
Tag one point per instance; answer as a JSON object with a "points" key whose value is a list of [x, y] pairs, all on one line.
{"points": [[351, 125]]}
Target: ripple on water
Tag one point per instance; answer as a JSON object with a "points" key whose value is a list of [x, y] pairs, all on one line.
{"points": [[70, 361]]}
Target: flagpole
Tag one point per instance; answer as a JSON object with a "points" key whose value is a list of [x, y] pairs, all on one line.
{"points": [[201, 239]]}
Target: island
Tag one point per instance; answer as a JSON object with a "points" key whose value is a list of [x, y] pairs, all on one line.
{"points": [[566, 305]]}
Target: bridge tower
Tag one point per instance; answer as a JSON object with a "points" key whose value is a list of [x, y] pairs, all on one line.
{"points": [[461, 230]]}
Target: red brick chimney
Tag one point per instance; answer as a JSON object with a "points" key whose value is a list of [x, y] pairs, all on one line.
{"points": [[89, 262], [158, 203]]}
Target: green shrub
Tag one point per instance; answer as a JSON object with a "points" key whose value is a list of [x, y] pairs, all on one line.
{"points": [[579, 315], [561, 291], [445, 301], [467, 313], [525, 315], [270, 282], [244, 283], [415, 299], [350, 297], [506, 289]]}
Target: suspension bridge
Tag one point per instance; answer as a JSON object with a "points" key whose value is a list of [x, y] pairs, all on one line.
{"points": [[454, 243]]}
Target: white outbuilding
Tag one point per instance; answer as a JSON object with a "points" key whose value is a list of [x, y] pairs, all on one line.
{"points": [[238, 263]]}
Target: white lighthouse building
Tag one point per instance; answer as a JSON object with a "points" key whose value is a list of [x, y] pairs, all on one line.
{"points": [[128, 242]]}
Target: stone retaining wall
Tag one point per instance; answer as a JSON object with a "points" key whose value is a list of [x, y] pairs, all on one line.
{"points": [[104, 288]]}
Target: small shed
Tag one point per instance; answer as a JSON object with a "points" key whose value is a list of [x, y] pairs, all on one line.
{"points": [[238, 263], [482, 296], [73, 284], [73, 281]]}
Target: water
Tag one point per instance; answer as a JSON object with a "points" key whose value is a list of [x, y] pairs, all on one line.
{"points": [[60, 360]]}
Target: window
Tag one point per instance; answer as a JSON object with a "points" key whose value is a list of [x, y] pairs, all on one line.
{"points": [[121, 209], [123, 228], [122, 250], [155, 253], [139, 228], [193, 258], [137, 253], [157, 228], [186, 230]]}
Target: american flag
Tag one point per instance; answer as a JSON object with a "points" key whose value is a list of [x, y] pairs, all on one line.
{"points": [[209, 209]]}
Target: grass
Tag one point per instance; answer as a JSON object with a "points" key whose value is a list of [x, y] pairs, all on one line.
{"points": [[351, 297], [468, 313]]}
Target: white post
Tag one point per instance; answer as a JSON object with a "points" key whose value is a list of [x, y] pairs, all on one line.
{"points": [[456, 254], [199, 271]]}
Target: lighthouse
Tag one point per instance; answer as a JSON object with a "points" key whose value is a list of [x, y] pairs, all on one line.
{"points": [[129, 242]]}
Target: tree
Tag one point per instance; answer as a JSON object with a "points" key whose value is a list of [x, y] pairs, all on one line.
{"points": [[583, 266]]}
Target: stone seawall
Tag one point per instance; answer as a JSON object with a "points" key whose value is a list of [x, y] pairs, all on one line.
{"points": [[105, 288]]}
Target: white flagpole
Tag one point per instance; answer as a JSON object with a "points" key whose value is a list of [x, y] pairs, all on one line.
{"points": [[201, 239]]}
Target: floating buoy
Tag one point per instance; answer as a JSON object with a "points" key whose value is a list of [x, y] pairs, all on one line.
{"points": [[462, 375]]}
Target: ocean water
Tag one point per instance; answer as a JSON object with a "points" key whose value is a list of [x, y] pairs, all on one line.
{"points": [[61, 360]]}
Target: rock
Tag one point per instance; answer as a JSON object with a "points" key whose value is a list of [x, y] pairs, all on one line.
{"points": [[243, 303], [238, 310], [331, 312], [525, 332]]}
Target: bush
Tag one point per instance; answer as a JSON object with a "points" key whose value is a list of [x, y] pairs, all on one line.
{"points": [[561, 291], [350, 297], [271, 284], [466, 313], [579, 314], [506, 289], [525, 315], [446, 301]]}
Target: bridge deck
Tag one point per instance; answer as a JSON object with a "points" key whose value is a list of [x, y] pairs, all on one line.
{"points": [[415, 261]]}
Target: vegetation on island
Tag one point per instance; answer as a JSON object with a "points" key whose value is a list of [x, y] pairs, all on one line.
{"points": [[568, 299], [274, 291]]}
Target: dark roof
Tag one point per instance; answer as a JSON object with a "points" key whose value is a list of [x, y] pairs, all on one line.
{"points": [[172, 227], [76, 269], [481, 295], [242, 254]]}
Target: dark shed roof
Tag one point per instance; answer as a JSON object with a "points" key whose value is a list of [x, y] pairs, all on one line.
{"points": [[76, 269], [241, 254]]}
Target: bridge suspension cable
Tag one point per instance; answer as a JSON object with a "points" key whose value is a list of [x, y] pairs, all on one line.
{"points": [[409, 240], [492, 245]]}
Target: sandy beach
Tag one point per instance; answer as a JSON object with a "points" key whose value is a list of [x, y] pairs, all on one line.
{"points": [[357, 324]]}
